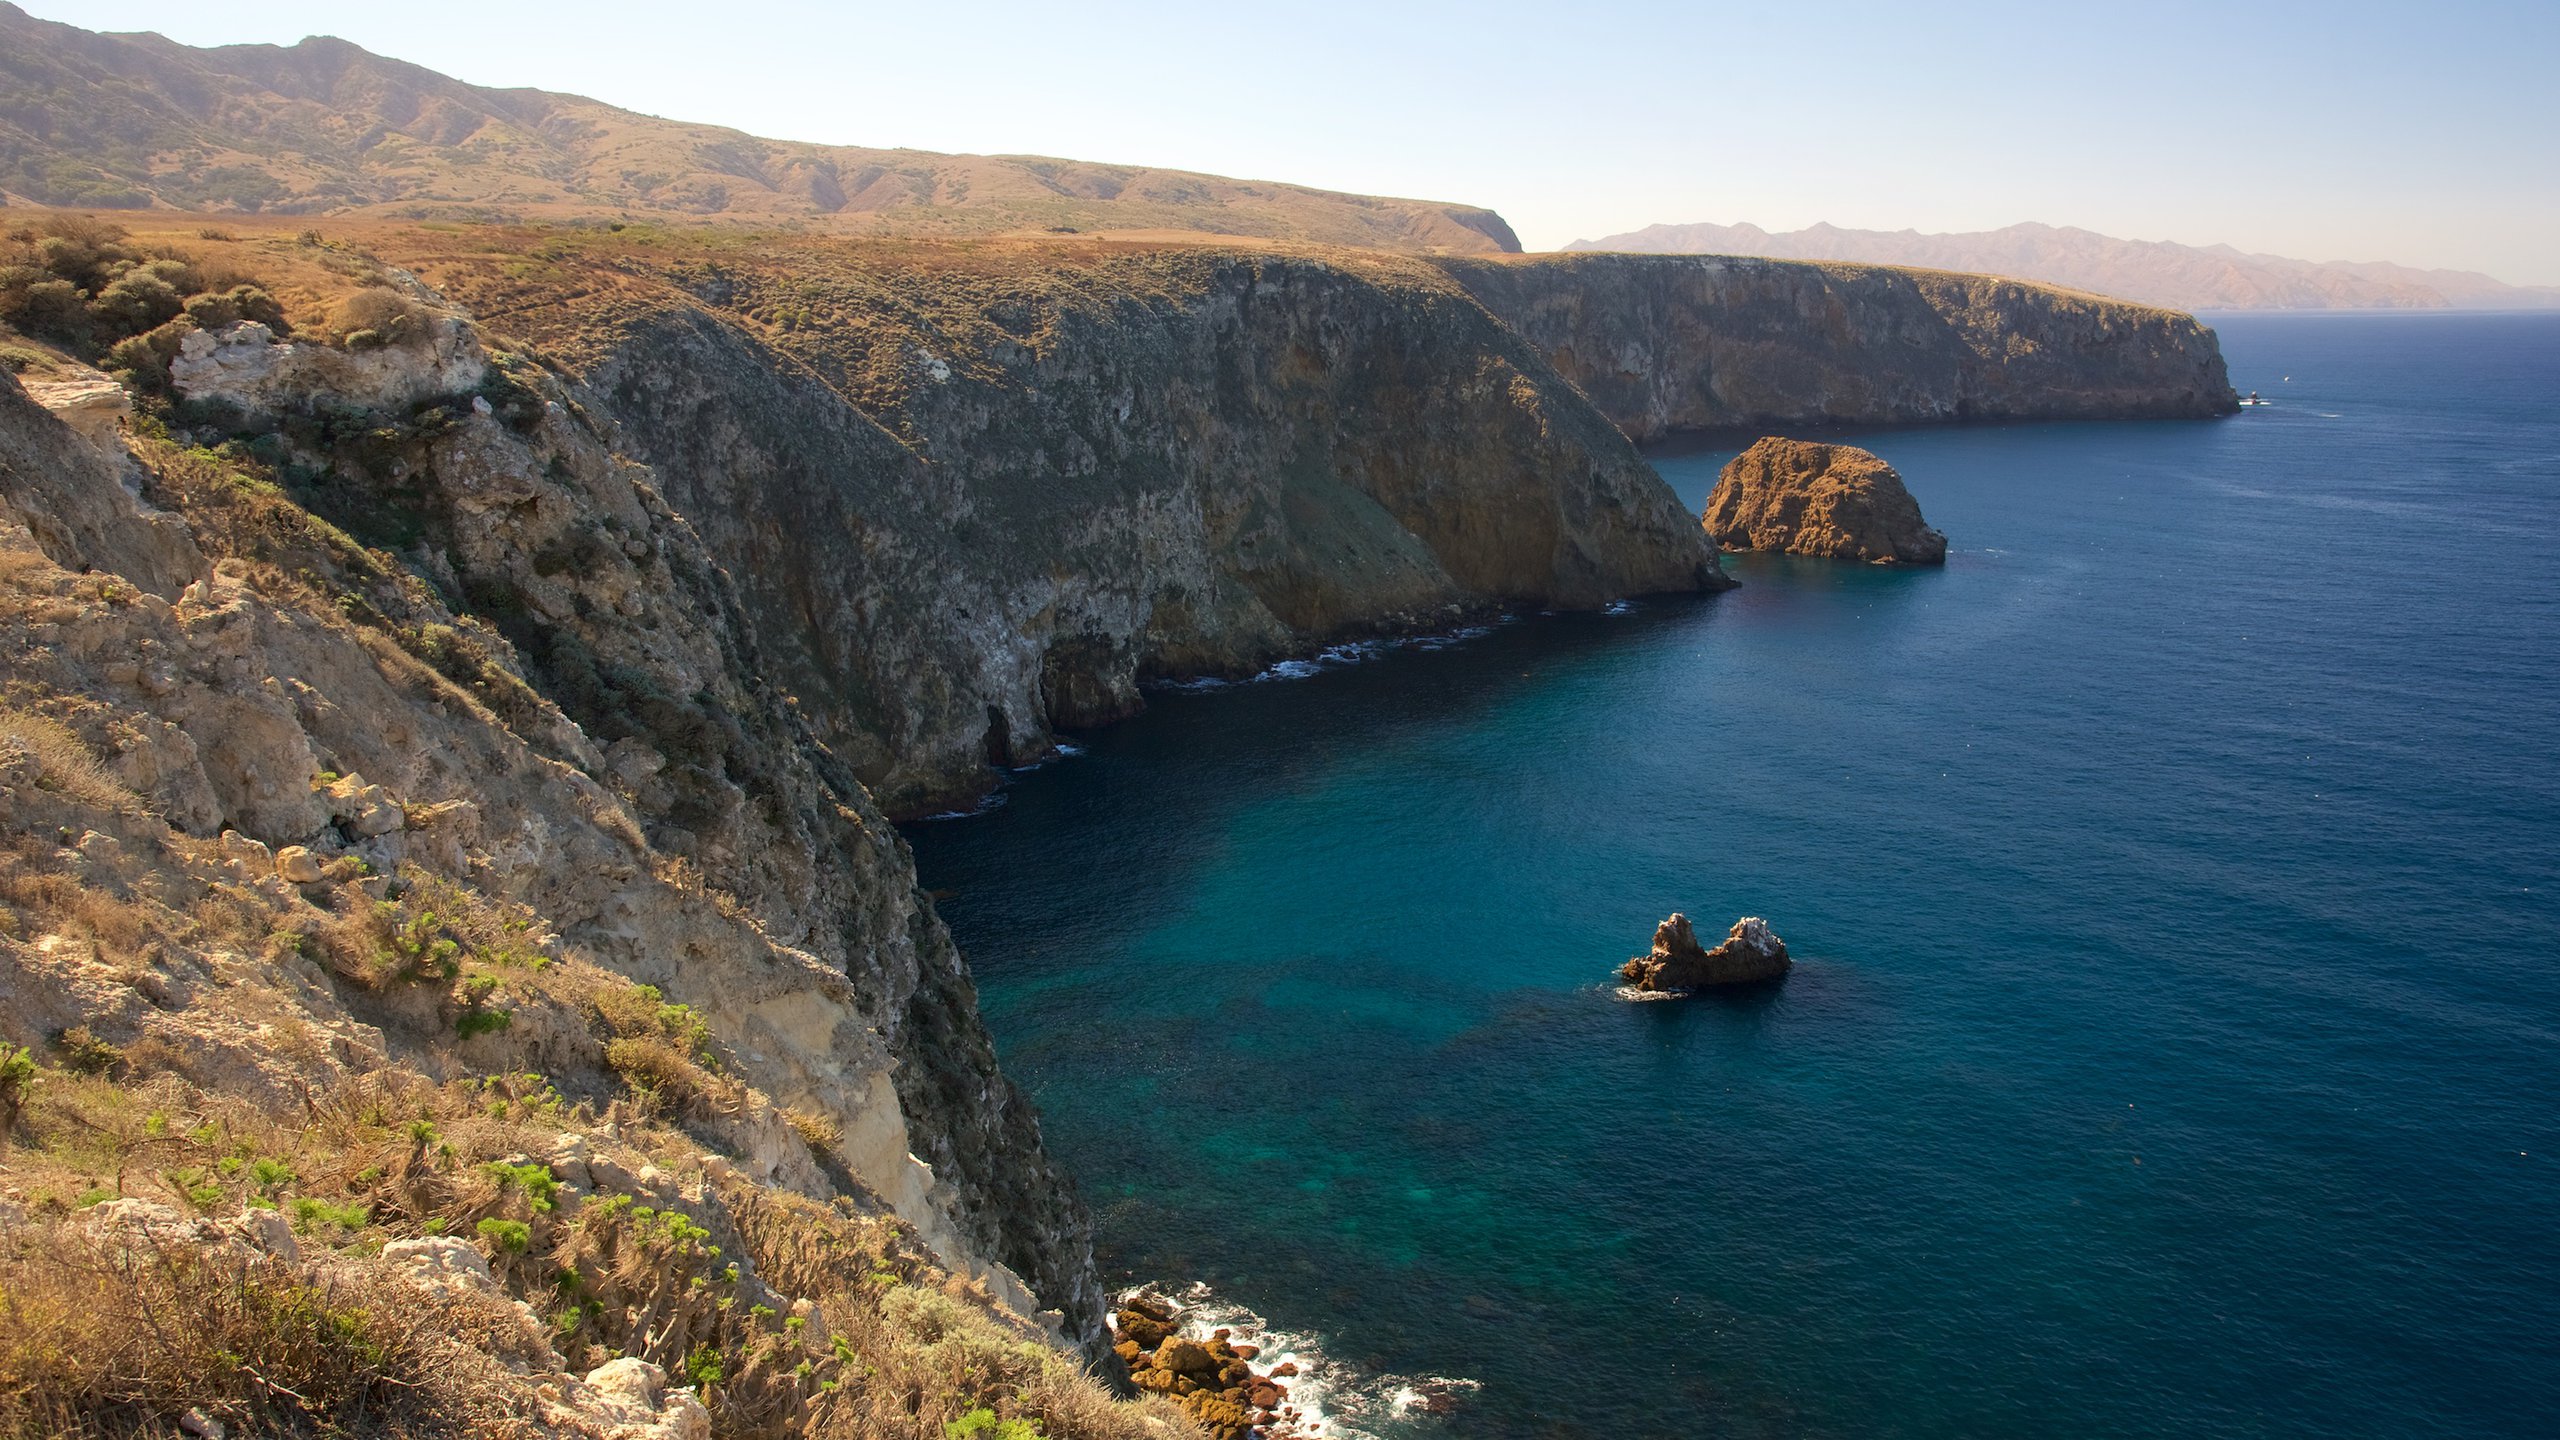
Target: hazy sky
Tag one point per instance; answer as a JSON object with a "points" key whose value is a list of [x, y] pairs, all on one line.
{"points": [[2426, 134]]}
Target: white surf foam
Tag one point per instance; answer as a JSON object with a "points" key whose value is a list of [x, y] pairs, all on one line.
{"points": [[1327, 1399]]}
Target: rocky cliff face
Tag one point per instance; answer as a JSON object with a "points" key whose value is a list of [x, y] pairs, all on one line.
{"points": [[596, 740], [1004, 511], [615, 631], [1670, 343], [1836, 501]]}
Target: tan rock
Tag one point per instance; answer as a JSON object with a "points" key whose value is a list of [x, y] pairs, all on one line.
{"points": [[92, 405], [1179, 1356], [628, 1399], [297, 865], [367, 809], [1751, 952], [1805, 498]]}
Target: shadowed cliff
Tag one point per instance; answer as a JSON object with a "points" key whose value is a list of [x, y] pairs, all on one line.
{"points": [[1664, 344]]}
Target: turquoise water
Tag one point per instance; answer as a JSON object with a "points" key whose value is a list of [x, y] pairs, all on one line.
{"points": [[2172, 876]]}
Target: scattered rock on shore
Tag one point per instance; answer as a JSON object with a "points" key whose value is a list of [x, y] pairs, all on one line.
{"points": [[1812, 499], [1211, 1379], [1751, 952]]}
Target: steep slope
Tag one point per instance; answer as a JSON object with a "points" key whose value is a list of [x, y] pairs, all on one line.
{"points": [[616, 762], [1664, 344], [2155, 272], [974, 493], [324, 127]]}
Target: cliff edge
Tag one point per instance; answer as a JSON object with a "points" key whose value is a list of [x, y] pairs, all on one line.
{"points": [[973, 494], [1667, 343]]}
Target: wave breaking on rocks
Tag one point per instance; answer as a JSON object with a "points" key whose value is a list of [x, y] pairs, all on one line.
{"points": [[1312, 1395]]}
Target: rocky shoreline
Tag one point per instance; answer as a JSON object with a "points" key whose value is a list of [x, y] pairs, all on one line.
{"points": [[1212, 1378]]}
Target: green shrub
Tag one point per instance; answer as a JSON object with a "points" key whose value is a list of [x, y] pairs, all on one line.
{"points": [[84, 1053], [983, 1422], [508, 1237], [534, 1178]]}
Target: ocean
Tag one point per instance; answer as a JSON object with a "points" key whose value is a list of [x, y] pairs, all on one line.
{"points": [[2174, 880]]}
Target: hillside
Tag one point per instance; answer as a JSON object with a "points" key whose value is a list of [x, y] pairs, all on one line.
{"points": [[325, 127], [2155, 272]]}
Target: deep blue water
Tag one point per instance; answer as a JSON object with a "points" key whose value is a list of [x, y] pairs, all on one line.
{"points": [[2173, 879]]}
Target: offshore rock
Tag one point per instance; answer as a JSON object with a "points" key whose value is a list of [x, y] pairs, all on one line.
{"points": [[1751, 952], [1804, 498]]}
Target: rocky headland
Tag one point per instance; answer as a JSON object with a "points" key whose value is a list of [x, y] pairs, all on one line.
{"points": [[974, 494], [1671, 343], [1806, 498], [459, 685], [1750, 953]]}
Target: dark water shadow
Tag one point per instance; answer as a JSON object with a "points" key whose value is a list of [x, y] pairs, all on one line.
{"points": [[1148, 797]]}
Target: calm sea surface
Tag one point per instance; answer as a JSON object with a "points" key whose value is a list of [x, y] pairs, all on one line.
{"points": [[2174, 1047]]}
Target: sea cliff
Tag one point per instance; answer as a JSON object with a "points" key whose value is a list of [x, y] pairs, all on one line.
{"points": [[972, 495], [1670, 343], [506, 659]]}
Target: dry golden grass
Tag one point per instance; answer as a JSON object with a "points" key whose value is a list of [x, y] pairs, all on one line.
{"points": [[892, 1345], [66, 763], [114, 1340]]}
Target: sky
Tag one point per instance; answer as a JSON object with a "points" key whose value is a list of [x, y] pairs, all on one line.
{"points": [[2423, 134]]}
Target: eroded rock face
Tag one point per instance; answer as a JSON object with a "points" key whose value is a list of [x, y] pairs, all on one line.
{"points": [[729, 860], [1120, 468], [1751, 953], [245, 364], [1667, 343], [1804, 498], [65, 483]]}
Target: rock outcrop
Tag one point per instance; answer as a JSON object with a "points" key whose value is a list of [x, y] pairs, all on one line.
{"points": [[1669, 343], [1751, 953], [266, 680], [1806, 498]]}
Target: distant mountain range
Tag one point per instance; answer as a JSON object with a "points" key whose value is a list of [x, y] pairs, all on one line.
{"points": [[2184, 277], [138, 121]]}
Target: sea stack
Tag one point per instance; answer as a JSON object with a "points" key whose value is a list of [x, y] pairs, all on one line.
{"points": [[1751, 952], [1806, 498]]}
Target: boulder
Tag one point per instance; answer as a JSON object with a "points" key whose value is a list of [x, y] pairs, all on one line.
{"points": [[1804, 498], [1187, 1357], [367, 809], [297, 865], [1751, 952]]}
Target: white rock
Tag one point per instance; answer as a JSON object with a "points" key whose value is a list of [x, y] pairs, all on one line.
{"points": [[267, 1231], [627, 1399], [442, 1263], [93, 405]]}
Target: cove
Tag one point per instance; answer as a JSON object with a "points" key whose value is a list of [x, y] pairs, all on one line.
{"points": [[2171, 880]]}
